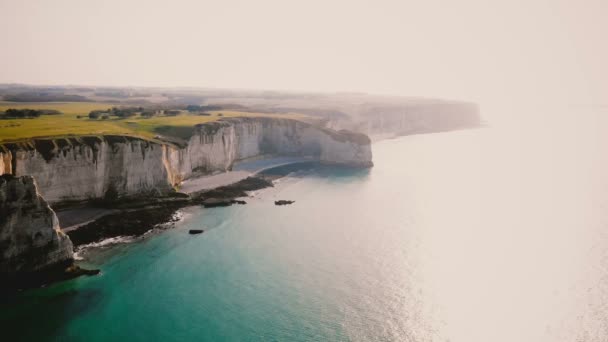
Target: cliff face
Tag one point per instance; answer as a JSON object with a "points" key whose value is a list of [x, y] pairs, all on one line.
{"points": [[5, 162], [30, 237], [212, 148], [217, 145], [91, 167]]}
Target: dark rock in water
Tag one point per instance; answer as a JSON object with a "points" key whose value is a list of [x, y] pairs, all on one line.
{"points": [[283, 202], [216, 202], [125, 223], [239, 189], [56, 273], [76, 271], [220, 202], [196, 231], [90, 272]]}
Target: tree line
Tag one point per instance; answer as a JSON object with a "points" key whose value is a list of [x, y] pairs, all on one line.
{"points": [[13, 113]]}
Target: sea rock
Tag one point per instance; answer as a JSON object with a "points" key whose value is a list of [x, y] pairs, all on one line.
{"points": [[75, 271], [220, 202], [238, 189], [217, 202], [283, 202], [30, 237], [131, 222]]}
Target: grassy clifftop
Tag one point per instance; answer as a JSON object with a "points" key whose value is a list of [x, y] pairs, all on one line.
{"points": [[74, 121]]}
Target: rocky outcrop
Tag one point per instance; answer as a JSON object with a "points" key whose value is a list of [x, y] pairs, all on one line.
{"points": [[105, 167], [30, 237], [283, 202]]}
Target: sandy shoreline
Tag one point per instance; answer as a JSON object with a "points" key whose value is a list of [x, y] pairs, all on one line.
{"points": [[72, 219], [240, 171], [193, 185]]}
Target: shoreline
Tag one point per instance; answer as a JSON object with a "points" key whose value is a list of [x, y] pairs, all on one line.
{"points": [[134, 218], [130, 224], [241, 170], [75, 217], [135, 221]]}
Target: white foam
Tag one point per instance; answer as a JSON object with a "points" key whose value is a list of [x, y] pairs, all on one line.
{"points": [[106, 242]]}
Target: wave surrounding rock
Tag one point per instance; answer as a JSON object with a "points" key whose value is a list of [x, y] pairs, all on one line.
{"points": [[86, 168], [30, 237]]}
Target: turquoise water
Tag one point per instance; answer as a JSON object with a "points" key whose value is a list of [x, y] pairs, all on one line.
{"points": [[463, 236]]}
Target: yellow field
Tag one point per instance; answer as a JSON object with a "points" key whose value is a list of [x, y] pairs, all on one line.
{"points": [[68, 124]]}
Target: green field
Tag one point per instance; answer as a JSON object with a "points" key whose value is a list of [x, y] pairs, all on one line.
{"points": [[68, 123]]}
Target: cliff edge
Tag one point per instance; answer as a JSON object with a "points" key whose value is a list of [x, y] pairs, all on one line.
{"points": [[93, 167], [30, 237]]}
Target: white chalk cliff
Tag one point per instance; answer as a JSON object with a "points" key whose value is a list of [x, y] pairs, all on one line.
{"points": [[91, 167], [30, 237]]}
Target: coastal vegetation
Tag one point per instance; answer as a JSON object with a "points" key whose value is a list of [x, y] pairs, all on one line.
{"points": [[98, 118]]}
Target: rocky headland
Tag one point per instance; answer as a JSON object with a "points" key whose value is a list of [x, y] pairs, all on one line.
{"points": [[33, 248]]}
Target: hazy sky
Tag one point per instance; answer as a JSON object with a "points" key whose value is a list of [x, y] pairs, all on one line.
{"points": [[485, 50]]}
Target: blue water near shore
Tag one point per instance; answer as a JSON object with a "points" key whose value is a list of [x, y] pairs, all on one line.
{"points": [[450, 237]]}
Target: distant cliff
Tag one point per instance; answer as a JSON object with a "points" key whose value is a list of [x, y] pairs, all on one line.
{"points": [[428, 116], [30, 238], [378, 116], [97, 167]]}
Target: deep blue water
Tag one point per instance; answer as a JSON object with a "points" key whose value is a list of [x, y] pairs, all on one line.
{"points": [[450, 237]]}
